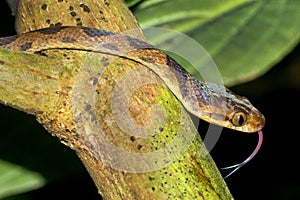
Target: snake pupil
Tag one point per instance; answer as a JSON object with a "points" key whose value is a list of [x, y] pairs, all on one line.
{"points": [[241, 120]]}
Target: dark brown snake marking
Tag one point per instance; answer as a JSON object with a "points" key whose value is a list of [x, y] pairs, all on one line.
{"points": [[208, 101]]}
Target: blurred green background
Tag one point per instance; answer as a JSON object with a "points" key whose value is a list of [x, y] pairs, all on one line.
{"points": [[254, 44]]}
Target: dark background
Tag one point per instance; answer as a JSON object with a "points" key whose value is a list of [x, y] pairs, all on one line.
{"points": [[272, 174]]}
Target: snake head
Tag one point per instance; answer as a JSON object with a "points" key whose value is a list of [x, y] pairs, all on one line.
{"points": [[243, 116], [220, 106]]}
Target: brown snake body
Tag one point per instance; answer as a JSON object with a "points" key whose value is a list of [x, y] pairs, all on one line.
{"points": [[208, 101]]}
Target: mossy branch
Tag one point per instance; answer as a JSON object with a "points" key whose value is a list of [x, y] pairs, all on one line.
{"points": [[45, 87]]}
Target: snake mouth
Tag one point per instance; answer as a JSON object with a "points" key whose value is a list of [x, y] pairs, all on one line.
{"points": [[257, 121], [261, 123]]}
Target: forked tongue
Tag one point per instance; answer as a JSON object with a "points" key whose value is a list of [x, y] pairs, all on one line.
{"points": [[239, 165]]}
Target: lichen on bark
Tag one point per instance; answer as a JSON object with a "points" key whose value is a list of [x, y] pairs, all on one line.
{"points": [[50, 97]]}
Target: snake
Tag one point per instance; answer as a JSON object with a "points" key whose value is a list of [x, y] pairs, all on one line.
{"points": [[208, 101]]}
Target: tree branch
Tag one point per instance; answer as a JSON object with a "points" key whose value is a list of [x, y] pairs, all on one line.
{"points": [[48, 88]]}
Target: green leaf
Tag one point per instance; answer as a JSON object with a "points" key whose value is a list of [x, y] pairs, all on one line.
{"points": [[15, 179], [245, 38], [30, 157]]}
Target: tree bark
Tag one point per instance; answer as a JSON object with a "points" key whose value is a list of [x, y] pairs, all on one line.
{"points": [[47, 87]]}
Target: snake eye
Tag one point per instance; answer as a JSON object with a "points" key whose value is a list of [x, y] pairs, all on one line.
{"points": [[239, 119]]}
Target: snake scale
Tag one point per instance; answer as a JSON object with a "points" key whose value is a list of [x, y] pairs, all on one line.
{"points": [[209, 101]]}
